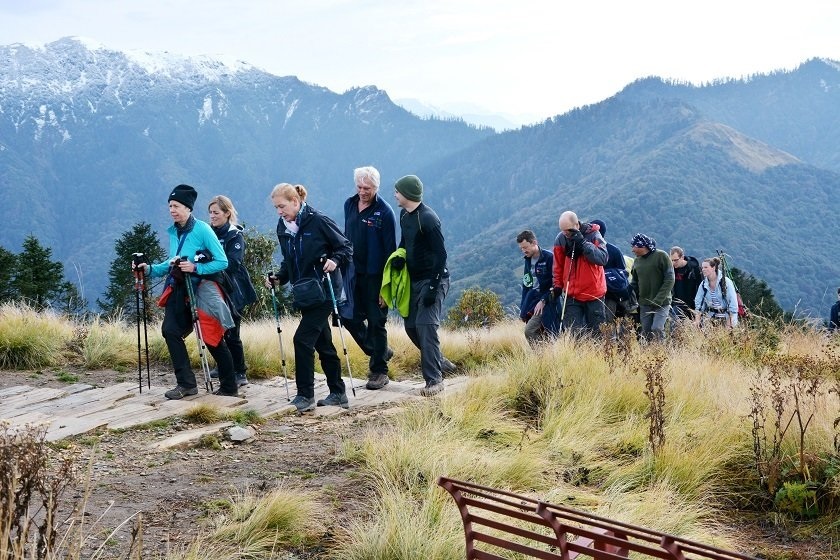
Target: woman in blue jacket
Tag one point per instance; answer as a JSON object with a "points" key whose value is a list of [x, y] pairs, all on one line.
{"points": [[195, 250], [240, 290], [313, 247]]}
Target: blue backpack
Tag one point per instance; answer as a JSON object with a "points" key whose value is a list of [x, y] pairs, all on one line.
{"points": [[617, 282]]}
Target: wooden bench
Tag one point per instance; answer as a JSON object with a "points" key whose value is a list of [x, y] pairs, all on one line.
{"points": [[500, 521]]}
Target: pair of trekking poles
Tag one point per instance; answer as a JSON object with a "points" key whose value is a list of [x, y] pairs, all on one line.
{"points": [[336, 318], [139, 259]]}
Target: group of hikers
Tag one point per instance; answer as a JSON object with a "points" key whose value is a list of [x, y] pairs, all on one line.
{"points": [[357, 273], [362, 266], [585, 282]]}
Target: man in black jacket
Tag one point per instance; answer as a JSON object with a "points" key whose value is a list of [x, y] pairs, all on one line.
{"points": [[370, 225], [423, 242], [687, 278]]}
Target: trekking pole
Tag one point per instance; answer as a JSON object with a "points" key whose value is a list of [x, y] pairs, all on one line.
{"points": [[205, 366], [279, 336], [139, 287], [566, 289], [337, 318]]}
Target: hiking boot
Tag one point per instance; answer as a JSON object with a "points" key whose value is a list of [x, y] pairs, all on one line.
{"points": [[304, 404], [431, 389], [335, 399], [447, 367], [377, 381], [214, 373], [222, 393], [241, 379], [180, 392]]}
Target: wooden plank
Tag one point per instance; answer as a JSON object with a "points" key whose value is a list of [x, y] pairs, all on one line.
{"points": [[28, 399], [115, 414], [11, 391], [187, 436], [69, 404], [64, 426], [140, 417]]}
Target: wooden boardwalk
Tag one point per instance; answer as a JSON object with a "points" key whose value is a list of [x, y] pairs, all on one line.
{"points": [[78, 409]]}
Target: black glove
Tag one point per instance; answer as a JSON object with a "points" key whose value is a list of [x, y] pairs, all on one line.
{"points": [[576, 240], [555, 293], [397, 263], [430, 295], [202, 256]]}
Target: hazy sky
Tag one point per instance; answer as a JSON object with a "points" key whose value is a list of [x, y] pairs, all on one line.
{"points": [[530, 57]]}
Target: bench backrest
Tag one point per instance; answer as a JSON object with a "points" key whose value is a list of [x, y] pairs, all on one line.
{"points": [[497, 521]]}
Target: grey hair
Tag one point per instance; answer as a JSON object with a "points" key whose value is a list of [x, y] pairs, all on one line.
{"points": [[368, 173]]}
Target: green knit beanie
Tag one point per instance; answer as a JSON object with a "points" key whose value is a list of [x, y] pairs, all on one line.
{"points": [[410, 187]]}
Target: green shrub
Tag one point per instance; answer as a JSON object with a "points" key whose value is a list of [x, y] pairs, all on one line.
{"points": [[475, 308], [797, 499]]}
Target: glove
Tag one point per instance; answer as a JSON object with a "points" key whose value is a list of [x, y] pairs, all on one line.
{"points": [[576, 237], [430, 295], [397, 263], [575, 241], [555, 293]]}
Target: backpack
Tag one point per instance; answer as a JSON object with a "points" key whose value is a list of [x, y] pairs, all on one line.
{"points": [[617, 282], [742, 309]]}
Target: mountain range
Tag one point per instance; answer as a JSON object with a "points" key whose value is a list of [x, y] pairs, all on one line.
{"points": [[92, 140]]}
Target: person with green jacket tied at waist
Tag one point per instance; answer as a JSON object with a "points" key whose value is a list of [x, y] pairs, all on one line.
{"points": [[425, 259], [652, 278]]}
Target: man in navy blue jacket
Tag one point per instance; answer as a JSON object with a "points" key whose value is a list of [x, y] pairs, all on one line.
{"points": [[834, 317], [370, 225], [536, 285]]}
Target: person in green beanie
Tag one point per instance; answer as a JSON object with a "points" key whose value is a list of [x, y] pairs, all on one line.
{"points": [[425, 259]]}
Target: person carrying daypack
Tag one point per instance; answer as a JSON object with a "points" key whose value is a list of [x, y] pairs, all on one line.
{"points": [[620, 300], [716, 298]]}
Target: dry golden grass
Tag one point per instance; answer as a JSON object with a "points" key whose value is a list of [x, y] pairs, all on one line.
{"points": [[564, 422], [32, 340]]}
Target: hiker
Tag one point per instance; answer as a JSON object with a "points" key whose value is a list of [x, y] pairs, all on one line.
{"points": [[313, 248], [619, 301], [580, 254], [236, 282], [715, 300], [425, 259], [370, 225], [687, 278], [536, 285], [195, 250], [834, 315], [652, 278]]}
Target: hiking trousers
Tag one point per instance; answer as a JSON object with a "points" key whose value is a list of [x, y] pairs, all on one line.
{"points": [[315, 334]]}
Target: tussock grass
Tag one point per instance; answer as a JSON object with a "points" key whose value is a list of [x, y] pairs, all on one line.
{"points": [[565, 423], [32, 340], [475, 443], [282, 518], [204, 414], [404, 526], [109, 344]]}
